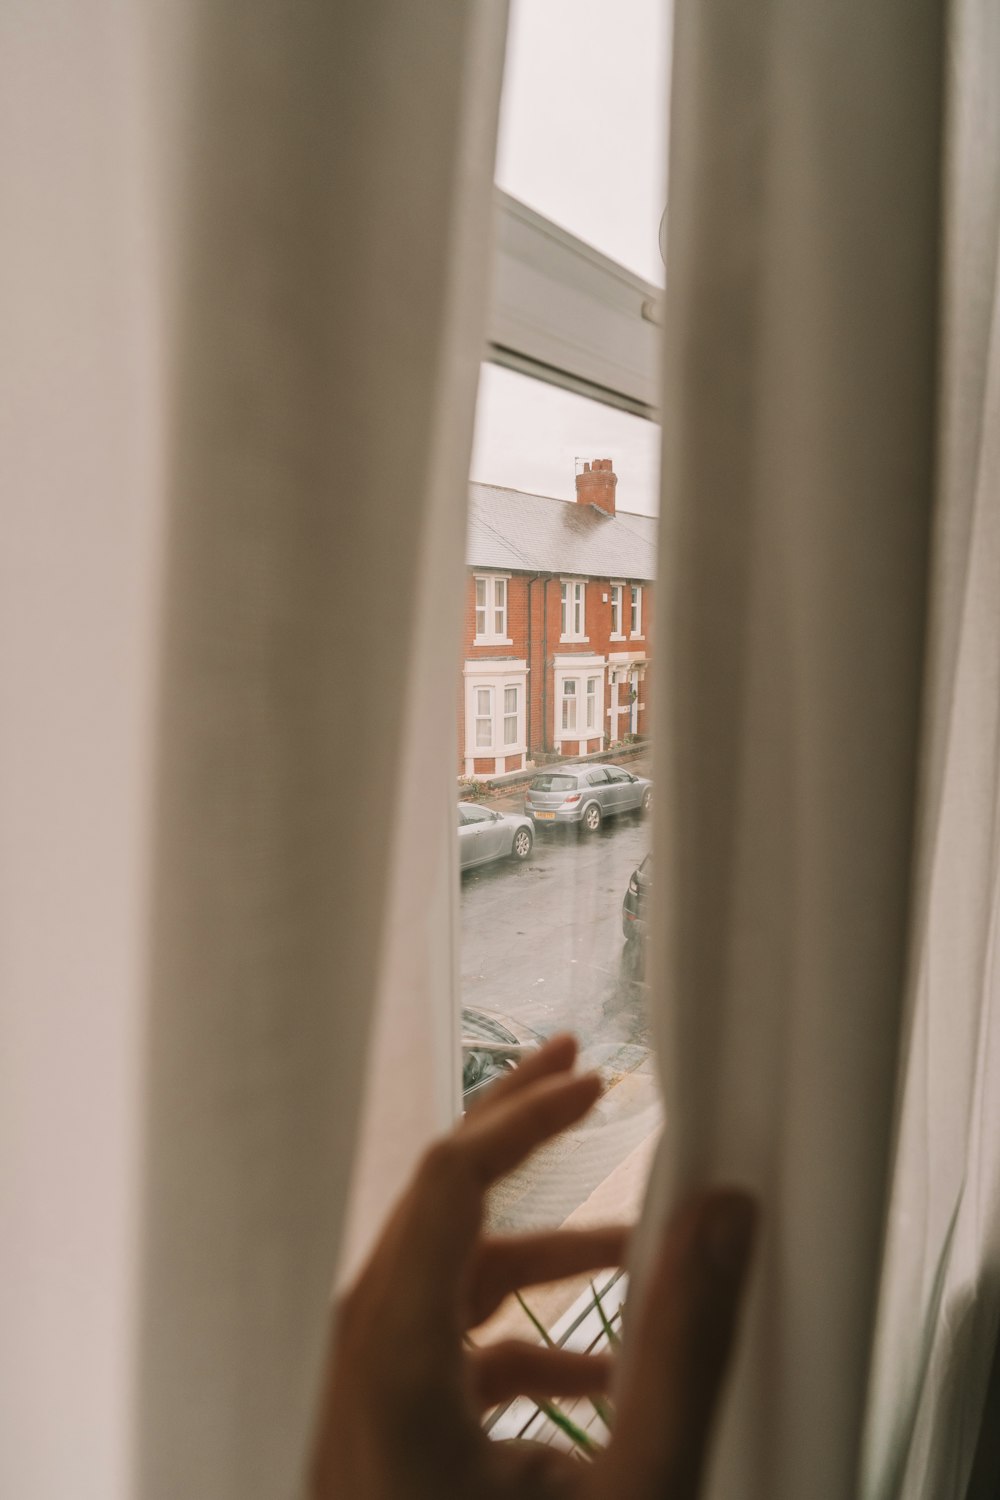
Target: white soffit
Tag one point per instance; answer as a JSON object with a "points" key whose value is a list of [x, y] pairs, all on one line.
{"points": [[563, 312]]}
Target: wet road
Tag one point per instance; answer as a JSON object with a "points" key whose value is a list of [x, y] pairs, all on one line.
{"points": [[542, 942]]}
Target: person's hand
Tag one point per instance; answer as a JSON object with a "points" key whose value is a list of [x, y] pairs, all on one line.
{"points": [[400, 1415]]}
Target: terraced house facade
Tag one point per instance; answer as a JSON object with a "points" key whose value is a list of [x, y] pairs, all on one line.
{"points": [[557, 631]]}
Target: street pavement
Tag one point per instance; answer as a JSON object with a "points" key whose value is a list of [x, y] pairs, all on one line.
{"points": [[541, 942]]}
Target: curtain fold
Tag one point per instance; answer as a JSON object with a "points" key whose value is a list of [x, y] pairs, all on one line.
{"points": [[940, 1299], [253, 246], [798, 480]]}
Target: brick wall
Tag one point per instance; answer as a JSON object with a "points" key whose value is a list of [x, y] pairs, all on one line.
{"points": [[539, 600]]}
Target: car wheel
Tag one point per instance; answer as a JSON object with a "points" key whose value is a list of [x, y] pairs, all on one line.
{"points": [[592, 818], [521, 847], [647, 802]]}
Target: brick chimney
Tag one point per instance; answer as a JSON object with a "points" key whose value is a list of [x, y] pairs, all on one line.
{"points": [[595, 484]]}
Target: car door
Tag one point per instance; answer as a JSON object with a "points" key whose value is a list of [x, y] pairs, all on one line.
{"points": [[466, 838], [487, 834], [621, 790], [495, 835], [596, 785]]}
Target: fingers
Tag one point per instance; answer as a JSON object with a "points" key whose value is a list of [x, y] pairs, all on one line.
{"points": [[496, 1140], [505, 1265], [685, 1336], [502, 1371], [435, 1229], [557, 1055]]}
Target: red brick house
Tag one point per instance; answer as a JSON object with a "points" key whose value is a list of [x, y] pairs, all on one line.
{"points": [[556, 637]]}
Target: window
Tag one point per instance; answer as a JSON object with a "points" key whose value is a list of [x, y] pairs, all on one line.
{"points": [[491, 609], [573, 614], [510, 735], [636, 626], [496, 695], [616, 611], [541, 943], [569, 704], [593, 683], [477, 815], [484, 718]]}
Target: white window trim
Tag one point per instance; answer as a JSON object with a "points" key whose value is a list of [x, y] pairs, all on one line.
{"points": [[570, 635], [490, 639], [497, 675], [562, 311], [635, 635], [619, 584], [580, 667]]}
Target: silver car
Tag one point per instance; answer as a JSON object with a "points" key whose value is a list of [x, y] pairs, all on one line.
{"points": [[585, 795], [484, 835]]}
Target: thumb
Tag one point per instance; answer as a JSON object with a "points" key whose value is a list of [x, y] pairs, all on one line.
{"points": [[685, 1337]]}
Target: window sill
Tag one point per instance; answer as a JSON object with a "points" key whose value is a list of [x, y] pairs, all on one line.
{"points": [[574, 640], [492, 640]]}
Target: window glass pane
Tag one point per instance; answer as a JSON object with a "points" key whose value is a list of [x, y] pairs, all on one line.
{"points": [[554, 783], [544, 941], [583, 121]]}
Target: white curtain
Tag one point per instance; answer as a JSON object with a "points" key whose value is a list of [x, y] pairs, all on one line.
{"points": [[940, 1305], [244, 272], [828, 727]]}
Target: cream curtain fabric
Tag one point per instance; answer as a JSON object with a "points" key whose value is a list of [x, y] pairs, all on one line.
{"points": [[940, 1304], [799, 450], [243, 299]]}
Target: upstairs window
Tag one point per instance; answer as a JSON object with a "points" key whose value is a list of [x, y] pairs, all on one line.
{"points": [[636, 626], [616, 611], [491, 610], [573, 615]]}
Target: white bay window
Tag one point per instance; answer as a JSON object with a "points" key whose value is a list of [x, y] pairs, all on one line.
{"points": [[495, 716]]}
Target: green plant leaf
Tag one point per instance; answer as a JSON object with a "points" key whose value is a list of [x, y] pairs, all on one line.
{"points": [[612, 1337]]}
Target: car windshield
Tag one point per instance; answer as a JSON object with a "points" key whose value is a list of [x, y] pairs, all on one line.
{"points": [[553, 783]]}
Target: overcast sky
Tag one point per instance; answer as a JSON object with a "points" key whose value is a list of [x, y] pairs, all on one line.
{"points": [[582, 140]]}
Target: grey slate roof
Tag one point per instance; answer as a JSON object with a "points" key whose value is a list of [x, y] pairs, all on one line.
{"points": [[515, 532]]}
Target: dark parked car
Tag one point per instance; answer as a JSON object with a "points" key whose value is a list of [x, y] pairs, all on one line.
{"points": [[636, 903], [484, 835], [492, 1046], [585, 796]]}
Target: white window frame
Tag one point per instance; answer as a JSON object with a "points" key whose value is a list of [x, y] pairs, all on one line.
{"points": [[635, 613], [497, 676], [496, 586], [573, 609], [562, 311], [488, 718], [591, 697], [569, 698], [579, 668], [507, 714], [617, 608]]}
